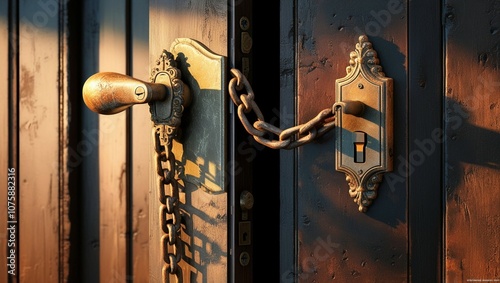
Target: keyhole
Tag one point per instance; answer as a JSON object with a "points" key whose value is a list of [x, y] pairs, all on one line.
{"points": [[359, 147]]}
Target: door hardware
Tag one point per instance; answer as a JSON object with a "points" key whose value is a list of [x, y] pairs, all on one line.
{"points": [[245, 233], [246, 203], [168, 95], [359, 141], [372, 133], [361, 115], [111, 93]]}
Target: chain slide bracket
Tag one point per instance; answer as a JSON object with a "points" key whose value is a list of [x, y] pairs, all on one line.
{"points": [[361, 115]]}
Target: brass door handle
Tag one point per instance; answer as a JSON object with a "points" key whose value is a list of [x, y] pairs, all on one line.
{"points": [[110, 93]]}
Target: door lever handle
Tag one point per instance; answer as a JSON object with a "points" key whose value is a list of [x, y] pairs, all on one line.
{"points": [[110, 93], [352, 107]]}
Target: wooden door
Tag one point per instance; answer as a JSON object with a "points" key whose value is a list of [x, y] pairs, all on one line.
{"points": [[196, 34], [434, 218], [213, 252], [78, 192], [83, 180]]}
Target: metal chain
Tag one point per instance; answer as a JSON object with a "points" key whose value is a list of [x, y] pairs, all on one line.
{"points": [[168, 191], [288, 138], [168, 187]]}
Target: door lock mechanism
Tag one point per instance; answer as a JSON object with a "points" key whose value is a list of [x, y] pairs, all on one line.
{"points": [[362, 116], [364, 143]]}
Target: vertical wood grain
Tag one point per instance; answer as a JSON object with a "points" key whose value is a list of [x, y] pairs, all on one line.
{"points": [[112, 150], [472, 155], [43, 113], [288, 235], [140, 136], [335, 240], [424, 159], [202, 20], [89, 137], [205, 21]]}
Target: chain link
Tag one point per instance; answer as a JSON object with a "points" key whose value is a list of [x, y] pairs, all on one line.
{"points": [[168, 187], [168, 191], [286, 139]]}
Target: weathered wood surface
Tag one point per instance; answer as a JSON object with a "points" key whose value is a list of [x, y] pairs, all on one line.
{"points": [[43, 143], [89, 136], [424, 132], [287, 105], [472, 156], [115, 167], [335, 240], [140, 150], [206, 214], [113, 172]]}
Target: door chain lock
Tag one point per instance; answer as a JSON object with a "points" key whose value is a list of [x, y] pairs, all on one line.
{"points": [[362, 116], [111, 93]]}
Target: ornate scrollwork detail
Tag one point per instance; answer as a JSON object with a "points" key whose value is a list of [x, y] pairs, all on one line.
{"points": [[365, 82], [364, 194], [364, 54], [166, 66], [165, 63]]}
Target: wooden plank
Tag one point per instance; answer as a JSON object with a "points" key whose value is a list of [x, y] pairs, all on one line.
{"points": [[422, 162], [113, 182], [4, 133], [335, 240], [204, 21], [288, 192], [88, 161], [39, 141], [472, 155], [67, 240], [140, 140]]}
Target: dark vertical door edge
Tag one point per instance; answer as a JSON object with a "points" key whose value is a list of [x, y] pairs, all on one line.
{"points": [[425, 141]]}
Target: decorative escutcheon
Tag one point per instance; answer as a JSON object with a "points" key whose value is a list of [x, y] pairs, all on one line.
{"points": [[364, 143]]}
